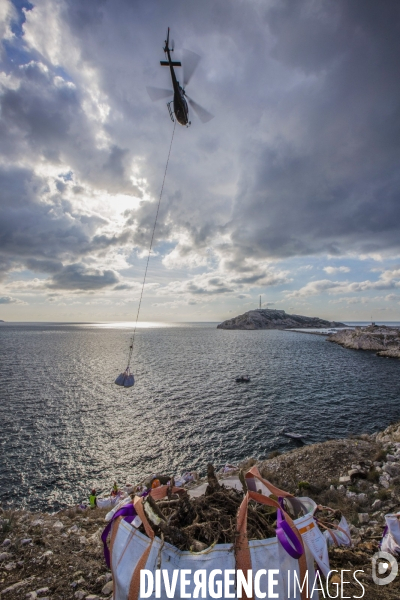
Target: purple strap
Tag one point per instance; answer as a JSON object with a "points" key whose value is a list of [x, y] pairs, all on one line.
{"points": [[129, 513], [386, 529], [286, 536]]}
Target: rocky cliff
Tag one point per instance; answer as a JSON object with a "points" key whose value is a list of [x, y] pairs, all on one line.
{"points": [[59, 556], [275, 319], [385, 341]]}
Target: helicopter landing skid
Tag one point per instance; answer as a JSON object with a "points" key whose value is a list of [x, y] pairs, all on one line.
{"points": [[171, 114]]}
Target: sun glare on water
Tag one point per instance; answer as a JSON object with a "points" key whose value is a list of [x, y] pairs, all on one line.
{"points": [[131, 325]]}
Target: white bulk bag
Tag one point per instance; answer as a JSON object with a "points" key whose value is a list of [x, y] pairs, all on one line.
{"points": [[132, 551], [391, 535]]}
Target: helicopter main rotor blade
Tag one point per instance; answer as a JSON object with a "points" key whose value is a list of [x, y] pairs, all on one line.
{"points": [[156, 93], [201, 112], [190, 62]]}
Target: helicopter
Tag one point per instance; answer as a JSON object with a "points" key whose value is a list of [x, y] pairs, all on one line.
{"points": [[181, 99]]}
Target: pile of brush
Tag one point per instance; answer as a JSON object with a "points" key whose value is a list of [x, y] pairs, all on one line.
{"points": [[197, 523]]}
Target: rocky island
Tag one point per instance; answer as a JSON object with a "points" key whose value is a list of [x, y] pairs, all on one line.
{"points": [[266, 318], [385, 341]]}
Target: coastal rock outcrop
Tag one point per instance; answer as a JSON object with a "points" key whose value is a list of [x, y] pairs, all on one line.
{"points": [[385, 341], [275, 319]]}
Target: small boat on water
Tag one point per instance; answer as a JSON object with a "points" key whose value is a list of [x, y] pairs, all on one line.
{"points": [[294, 436], [242, 379]]}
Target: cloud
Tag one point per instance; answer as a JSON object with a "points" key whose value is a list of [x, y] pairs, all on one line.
{"points": [[303, 166], [388, 280], [10, 300], [79, 277], [333, 270]]}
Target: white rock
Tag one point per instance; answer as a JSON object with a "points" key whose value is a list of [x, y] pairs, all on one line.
{"points": [[26, 541], [351, 494], [92, 597], [31, 596], [80, 595], [391, 458], [344, 479], [42, 590], [362, 497], [6, 542], [83, 540], [363, 517], [47, 554], [108, 576], [16, 586], [377, 504], [37, 523], [108, 588], [58, 525], [11, 566], [73, 529], [4, 556], [392, 468], [384, 481]]}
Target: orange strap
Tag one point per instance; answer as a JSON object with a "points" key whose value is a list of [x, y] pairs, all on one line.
{"points": [[157, 494], [333, 536], [114, 530], [134, 588], [255, 473], [160, 492], [242, 549]]}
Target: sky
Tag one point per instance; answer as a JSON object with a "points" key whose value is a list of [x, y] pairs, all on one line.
{"points": [[291, 191]]}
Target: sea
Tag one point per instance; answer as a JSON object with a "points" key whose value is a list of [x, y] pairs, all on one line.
{"points": [[67, 428]]}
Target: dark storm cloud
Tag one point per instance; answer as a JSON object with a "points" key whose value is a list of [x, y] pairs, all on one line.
{"points": [[79, 277], [32, 229], [332, 184]]}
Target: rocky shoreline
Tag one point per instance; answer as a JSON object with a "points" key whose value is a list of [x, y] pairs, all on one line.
{"points": [[60, 556], [383, 340], [275, 319]]}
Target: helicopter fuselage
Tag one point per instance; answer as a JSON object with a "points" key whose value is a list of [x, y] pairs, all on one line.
{"points": [[181, 109]]}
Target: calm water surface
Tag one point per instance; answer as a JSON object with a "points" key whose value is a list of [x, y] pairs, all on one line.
{"points": [[66, 427]]}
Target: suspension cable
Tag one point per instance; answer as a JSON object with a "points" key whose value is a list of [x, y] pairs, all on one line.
{"points": [[150, 247]]}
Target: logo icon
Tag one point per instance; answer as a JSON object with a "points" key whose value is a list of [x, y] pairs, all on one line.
{"points": [[383, 562]]}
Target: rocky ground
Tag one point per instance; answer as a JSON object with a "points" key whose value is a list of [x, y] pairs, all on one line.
{"points": [[59, 556], [385, 341], [275, 319]]}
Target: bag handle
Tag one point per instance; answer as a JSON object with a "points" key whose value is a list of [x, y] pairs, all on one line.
{"points": [[242, 549], [254, 473], [157, 494], [334, 526]]}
